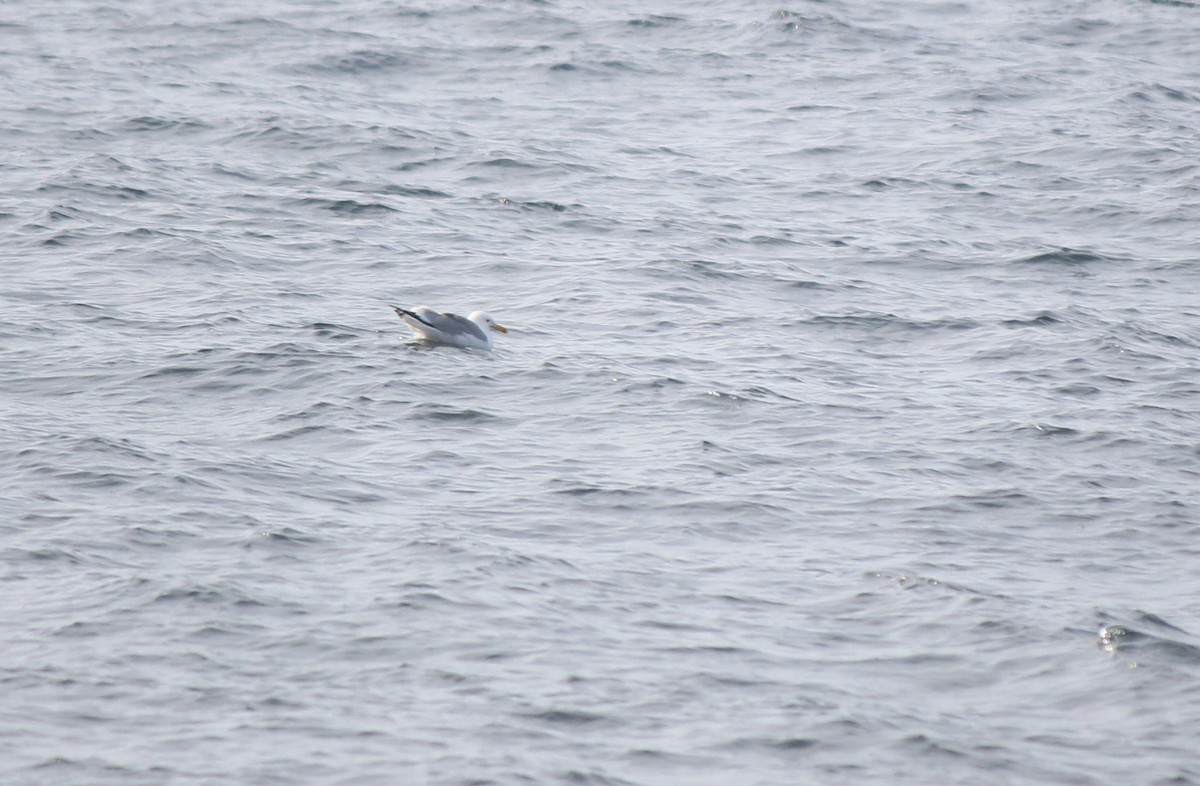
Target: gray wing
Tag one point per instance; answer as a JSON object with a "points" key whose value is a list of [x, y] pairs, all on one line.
{"points": [[451, 324]]}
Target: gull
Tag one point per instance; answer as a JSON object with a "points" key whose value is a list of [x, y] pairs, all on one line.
{"points": [[473, 332]]}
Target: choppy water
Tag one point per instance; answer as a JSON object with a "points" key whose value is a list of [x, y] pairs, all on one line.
{"points": [[846, 432]]}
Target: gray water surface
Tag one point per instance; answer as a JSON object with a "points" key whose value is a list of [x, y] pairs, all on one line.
{"points": [[846, 431]]}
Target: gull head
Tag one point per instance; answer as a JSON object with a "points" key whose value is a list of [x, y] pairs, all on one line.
{"points": [[485, 321]]}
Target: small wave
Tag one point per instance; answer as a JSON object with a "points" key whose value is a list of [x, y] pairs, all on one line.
{"points": [[146, 123], [287, 536], [1050, 430], [1144, 334], [76, 185], [554, 207], [599, 67], [925, 744], [653, 20], [272, 132], [335, 332], [879, 184], [722, 650], [583, 489], [504, 162], [813, 108], [226, 594], [794, 21], [1159, 90], [912, 581], [702, 268], [779, 744], [882, 321], [1040, 319], [1066, 256], [48, 555], [64, 213], [566, 717], [773, 240], [1148, 636], [444, 412], [349, 207], [361, 62], [752, 393], [294, 433], [415, 191], [999, 499], [174, 371]]}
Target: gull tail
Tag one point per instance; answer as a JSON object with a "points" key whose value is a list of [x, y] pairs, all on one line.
{"points": [[405, 314]]}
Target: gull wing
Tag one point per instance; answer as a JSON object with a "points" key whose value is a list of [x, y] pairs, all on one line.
{"points": [[448, 324]]}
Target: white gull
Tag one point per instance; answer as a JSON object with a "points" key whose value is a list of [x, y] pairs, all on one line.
{"points": [[474, 332]]}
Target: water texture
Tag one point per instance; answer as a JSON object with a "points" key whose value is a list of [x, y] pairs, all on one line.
{"points": [[846, 431]]}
